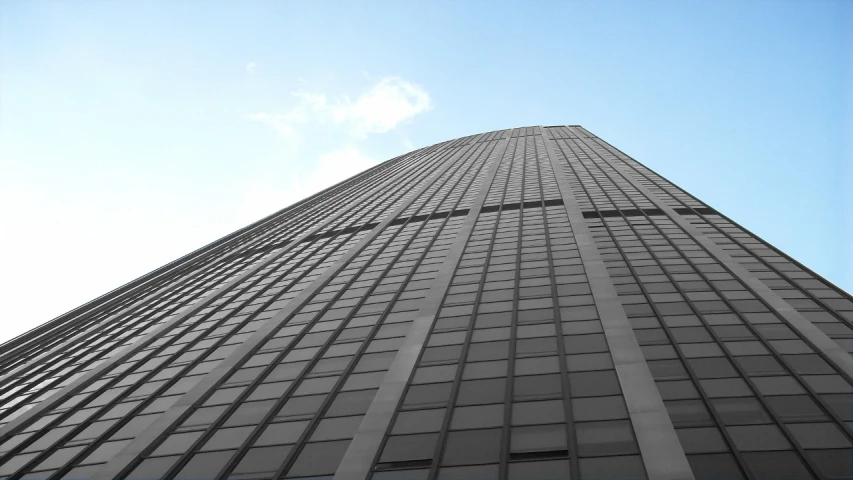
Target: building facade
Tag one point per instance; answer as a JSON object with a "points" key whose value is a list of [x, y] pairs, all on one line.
{"points": [[525, 304]]}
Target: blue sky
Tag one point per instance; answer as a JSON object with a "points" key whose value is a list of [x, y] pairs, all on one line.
{"points": [[134, 132]]}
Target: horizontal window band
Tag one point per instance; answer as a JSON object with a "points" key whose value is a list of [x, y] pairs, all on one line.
{"points": [[515, 206], [636, 212], [356, 228]]}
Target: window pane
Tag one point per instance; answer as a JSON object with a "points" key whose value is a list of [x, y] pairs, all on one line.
{"points": [[776, 465], [406, 448], [481, 416], [540, 438], [319, 458], [472, 446], [605, 438], [756, 438]]}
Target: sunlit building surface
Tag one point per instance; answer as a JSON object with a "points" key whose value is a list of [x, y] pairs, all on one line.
{"points": [[525, 304]]}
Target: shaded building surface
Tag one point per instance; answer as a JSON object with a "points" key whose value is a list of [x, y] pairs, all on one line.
{"points": [[526, 304]]}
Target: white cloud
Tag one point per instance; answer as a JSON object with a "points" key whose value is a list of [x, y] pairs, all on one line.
{"points": [[382, 108], [250, 68]]}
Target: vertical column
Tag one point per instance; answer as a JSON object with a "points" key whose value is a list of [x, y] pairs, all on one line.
{"points": [[659, 445], [837, 355], [365, 445], [119, 465]]}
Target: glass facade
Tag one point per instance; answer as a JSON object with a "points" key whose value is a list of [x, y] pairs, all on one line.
{"points": [[521, 304]]}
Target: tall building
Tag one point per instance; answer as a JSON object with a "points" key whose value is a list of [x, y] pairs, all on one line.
{"points": [[525, 304]]}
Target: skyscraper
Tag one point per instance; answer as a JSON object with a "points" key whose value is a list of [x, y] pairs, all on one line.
{"points": [[527, 304]]}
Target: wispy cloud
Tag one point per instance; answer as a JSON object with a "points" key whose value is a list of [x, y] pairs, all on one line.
{"points": [[262, 196], [383, 107], [250, 68]]}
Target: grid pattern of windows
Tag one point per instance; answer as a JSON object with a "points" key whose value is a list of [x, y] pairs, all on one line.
{"points": [[519, 304]]}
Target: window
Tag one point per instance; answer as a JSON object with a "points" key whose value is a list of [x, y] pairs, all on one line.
{"points": [[484, 370], [204, 465], [622, 467], [301, 406], [543, 470], [481, 416], [537, 365], [204, 416], [591, 343], [488, 351], [701, 440], [832, 463], [320, 458], [473, 472], [740, 411], [434, 394], [776, 465], [808, 364], [105, 452], [753, 438], [437, 374], [687, 412], [177, 443], [598, 408], [336, 428], [605, 438], [715, 466], [262, 460], [726, 387], [536, 386], [589, 384], [676, 390], [819, 435], [534, 413], [281, 433], [539, 438], [482, 391], [712, 367], [760, 365], [250, 413], [227, 438], [536, 346], [778, 385], [149, 468], [472, 447]]}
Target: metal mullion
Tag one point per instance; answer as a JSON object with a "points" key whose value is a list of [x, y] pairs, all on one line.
{"points": [[127, 458], [677, 347], [773, 269], [457, 378], [223, 243], [817, 276], [746, 378], [126, 352], [472, 149], [503, 459], [210, 430], [694, 379], [114, 335], [144, 403], [188, 367], [660, 448], [454, 389], [770, 348], [149, 299], [293, 453], [78, 353], [568, 411], [822, 344], [361, 455]]}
